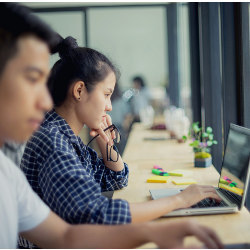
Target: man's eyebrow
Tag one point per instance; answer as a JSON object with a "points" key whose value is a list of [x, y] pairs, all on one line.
{"points": [[33, 69], [111, 90]]}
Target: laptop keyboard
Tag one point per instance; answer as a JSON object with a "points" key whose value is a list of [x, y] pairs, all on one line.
{"points": [[209, 203]]}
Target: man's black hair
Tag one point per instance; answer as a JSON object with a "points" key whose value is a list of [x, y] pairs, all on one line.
{"points": [[139, 80], [17, 21]]}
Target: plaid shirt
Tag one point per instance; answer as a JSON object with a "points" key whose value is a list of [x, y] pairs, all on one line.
{"points": [[70, 177]]}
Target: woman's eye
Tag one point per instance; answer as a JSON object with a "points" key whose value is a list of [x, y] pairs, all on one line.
{"points": [[107, 95]]}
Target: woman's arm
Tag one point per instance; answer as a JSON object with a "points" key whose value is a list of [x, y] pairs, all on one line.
{"points": [[153, 209], [102, 144], [108, 179]]}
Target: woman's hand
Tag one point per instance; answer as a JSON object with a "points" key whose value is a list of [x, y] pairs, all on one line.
{"points": [[195, 193], [107, 136], [109, 152]]}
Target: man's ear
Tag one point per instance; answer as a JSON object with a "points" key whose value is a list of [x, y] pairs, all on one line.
{"points": [[78, 90]]}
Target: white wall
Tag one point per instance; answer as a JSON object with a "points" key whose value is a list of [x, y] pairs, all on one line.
{"points": [[134, 38], [66, 24]]}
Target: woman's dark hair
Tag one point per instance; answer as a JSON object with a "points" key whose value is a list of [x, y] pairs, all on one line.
{"points": [[77, 64], [139, 80], [17, 21]]}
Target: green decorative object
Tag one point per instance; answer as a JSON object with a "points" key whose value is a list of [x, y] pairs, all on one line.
{"points": [[202, 140]]}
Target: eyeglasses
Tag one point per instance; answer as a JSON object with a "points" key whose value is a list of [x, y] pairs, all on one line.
{"points": [[112, 129]]}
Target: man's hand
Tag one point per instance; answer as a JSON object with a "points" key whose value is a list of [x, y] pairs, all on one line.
{"points": [[172, 234]]}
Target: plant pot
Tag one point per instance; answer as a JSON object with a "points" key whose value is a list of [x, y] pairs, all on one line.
{"points": [[202, 162], [172, 134], [180, 140]]}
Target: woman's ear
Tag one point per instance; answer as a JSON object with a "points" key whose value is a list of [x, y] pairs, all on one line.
{"points": [[78, 90]]}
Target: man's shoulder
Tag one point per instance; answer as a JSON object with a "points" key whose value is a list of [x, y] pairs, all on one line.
{"points": [[7, 167]]}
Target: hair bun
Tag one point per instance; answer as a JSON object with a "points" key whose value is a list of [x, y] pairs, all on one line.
{"points": [[66, 46]]}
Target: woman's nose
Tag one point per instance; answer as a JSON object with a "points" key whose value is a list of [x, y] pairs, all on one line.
{"points": [[109, 107]]}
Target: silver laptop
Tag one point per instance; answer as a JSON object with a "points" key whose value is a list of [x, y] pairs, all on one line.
{"points": [[233, 182]]}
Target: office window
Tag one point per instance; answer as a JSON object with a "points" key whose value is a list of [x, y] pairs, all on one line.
{"points": [[66, 24], [184, 58], [134, 39]]}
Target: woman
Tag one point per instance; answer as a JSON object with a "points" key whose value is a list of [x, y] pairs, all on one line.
{"points": [[67, 174]]}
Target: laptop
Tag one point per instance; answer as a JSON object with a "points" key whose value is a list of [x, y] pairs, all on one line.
{"points": [[233, 182]]}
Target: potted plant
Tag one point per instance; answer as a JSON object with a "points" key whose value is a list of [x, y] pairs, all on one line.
{"points": [[202, 140]]}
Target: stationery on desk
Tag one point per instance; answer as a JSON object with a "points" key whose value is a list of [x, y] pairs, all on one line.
{"points": [[184, 181], [160, 173], [158, 179]]}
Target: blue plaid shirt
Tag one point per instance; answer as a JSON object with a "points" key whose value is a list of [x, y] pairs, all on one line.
{"points": [[70, 177]]}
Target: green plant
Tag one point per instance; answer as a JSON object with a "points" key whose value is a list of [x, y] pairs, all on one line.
{"points": [[202, 140]]}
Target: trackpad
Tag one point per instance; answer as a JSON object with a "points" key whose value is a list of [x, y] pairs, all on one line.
{"points": [[160, 193]]}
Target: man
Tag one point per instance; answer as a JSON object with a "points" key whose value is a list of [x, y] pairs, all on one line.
{"points": [[14, 151], [24, 55]]}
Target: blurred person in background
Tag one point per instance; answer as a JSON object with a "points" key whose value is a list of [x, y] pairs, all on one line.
{"points": [[141, 99], [121, 116]]}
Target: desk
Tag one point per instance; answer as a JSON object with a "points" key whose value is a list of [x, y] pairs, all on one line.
{"points": [[141, 155]]}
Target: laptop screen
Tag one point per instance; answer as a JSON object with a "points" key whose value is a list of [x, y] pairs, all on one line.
{"points": [[236, 160]]}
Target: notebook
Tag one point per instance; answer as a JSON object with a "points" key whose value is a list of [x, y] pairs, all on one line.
{"points": [[233, 182]]}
